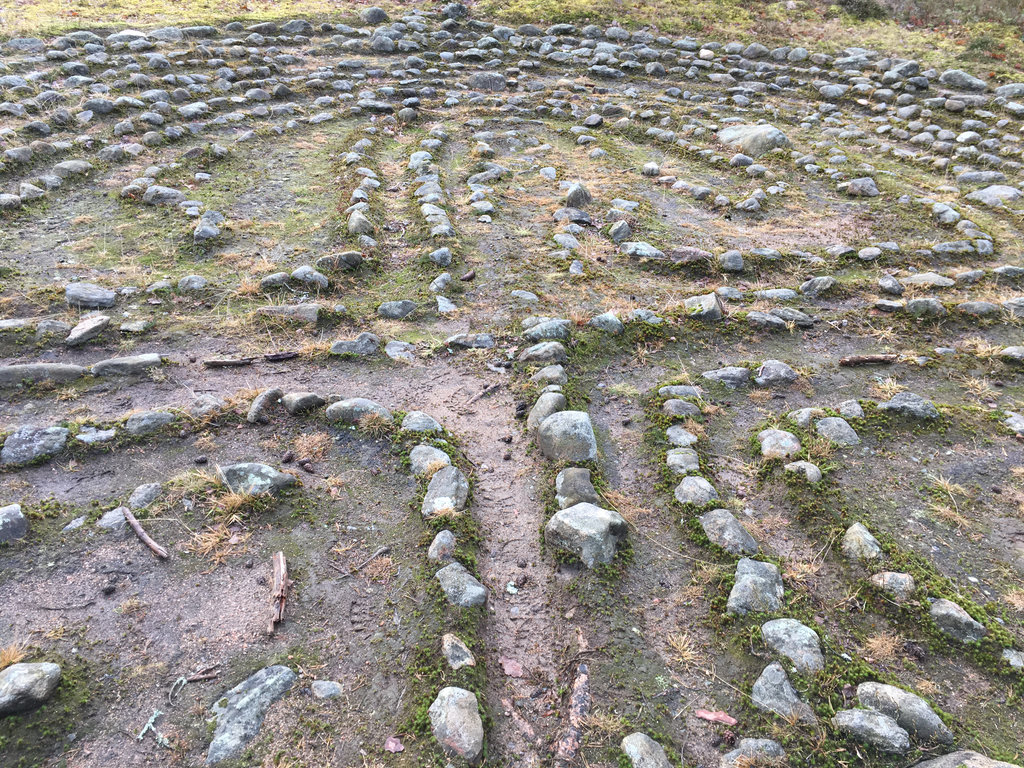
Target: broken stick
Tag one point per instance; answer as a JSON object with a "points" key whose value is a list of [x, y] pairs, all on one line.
{"points": [[146, 539], [568, 744], [868, 360], [279, 592], [485, 391], [382, 551]]}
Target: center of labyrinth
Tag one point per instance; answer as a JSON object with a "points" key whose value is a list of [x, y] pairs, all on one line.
{"points": [[425, 390]]}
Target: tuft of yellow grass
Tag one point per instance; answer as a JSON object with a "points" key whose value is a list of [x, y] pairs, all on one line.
{"points": [[886, 388], [218, 542], [13, 653], [1015, 599], [883, 646], [376, 425], [684, 648], [316, 446]]}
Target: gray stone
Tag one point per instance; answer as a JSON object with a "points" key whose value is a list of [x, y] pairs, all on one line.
{"points": [[925, 307], [567, 436], [112, 520], [955, 622], [774, 373], [426, 459], [910, 404], [682, 461], [732, 377], [587, 531], [148, 421], [910, 711], [29, 443], [254, 478], [144, 495], [13, 375], [89, 296], [13, 523], [810, 472], [607, 322], [644, 752], [456, 652], [460, 587], [258, 410], [363, 345], [723, 529], [680, 436], [418, 421], [707, 308], [753, 140], [455, 722], [757, 588], [695, 490], [300, 402], [898, 585], [680, 409], [396, 310], [778, 444], [544, 352], [326, 689], [239, 713], [572, 486], [872, 728], [442, 548], [87, 330], [754, 752], [447, 493], [126, 366], [797, 642], [772, 692], [859, 544], [837, 430], [352, 410], [963, 759], [24, 687]]}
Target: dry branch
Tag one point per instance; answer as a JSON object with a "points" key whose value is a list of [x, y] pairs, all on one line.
{"points": [[279, 591], [868, 360], [146, 539]]}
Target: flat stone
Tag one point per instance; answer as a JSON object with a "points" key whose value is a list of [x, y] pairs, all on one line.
{"points": [[456, 652], [363, 345], [898, 585], [89, 296], [254, 478], [87, 330], [352, 410], [147, 422], [872, 728], [447, 493], [240, 711], [14, 375], [778, 444], [426, 459], [910, 404], [126, 366], [326, 689], [837, 430], [26, 444]]}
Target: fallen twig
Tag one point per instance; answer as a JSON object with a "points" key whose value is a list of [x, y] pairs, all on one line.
{"points": [[868, 360], [482, 393], [146, 539], [568, 745], [229, 362], [345, 574], [279, 592]]}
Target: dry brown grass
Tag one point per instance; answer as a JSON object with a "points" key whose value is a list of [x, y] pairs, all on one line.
{"points": [[763, 528], [927, 687], [946, 514], [218, 542], [133, 606], [233, 505], [605, 726], [206, 443], [980, 347], [316, 446], [626, 506], [13, 653], [760, 396], [381, 570], [377, 426], [882, 647], [684, 648], [886, 388], [1015, 599]]}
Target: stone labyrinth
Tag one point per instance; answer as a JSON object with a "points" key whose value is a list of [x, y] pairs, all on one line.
{"points": [[416, 389]]}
